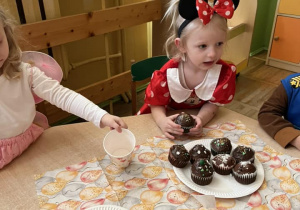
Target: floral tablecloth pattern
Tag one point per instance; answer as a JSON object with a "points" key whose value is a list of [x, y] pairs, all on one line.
{"points": [[281, 187], [149, 182], [144, 184]]}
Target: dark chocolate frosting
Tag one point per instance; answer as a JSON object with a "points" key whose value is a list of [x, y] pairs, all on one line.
{"points": [[221, 145], [202, 168], [185, 120], [243, 153], [224, 159], [244, 167], [199, 151], [180, 152]]}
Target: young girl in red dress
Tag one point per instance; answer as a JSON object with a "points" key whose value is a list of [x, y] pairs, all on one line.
{"points": [[195, 77]]}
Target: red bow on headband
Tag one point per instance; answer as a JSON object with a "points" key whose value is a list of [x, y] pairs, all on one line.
{"points": [[224, 8]]}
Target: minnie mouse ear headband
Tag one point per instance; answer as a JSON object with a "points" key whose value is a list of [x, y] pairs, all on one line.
{"points": [[191, 9]]}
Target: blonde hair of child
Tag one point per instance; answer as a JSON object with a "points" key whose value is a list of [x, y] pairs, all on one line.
{"points": [[176, 20], [10, 68]]}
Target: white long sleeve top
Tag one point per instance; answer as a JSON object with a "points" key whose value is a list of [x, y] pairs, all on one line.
{"points": [[17, 105]]}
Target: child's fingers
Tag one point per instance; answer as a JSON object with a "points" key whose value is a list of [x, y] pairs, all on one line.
{"points": [[116, 125], [169, 136], [195, 131], [172, 117], [175, 128], [121, 123], [176, 132], [174, 125], [198, 121], [119, 129]]}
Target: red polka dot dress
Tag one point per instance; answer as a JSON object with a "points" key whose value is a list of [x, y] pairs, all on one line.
{"points": [[165, 88]]}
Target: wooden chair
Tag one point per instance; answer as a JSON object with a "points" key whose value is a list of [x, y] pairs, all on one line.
{"points": [[141, 72]]}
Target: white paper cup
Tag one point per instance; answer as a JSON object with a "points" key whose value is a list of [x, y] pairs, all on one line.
{"points": [[119, 147]]}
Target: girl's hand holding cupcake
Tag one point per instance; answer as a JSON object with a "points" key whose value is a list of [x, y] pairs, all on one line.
{"points": [[169, 127], [198, 129]]}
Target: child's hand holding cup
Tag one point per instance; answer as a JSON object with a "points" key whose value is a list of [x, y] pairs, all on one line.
{"points": [[119, 146]]}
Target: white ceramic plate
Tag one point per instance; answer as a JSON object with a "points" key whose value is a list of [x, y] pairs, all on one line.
{"points": [[222, 186], [106, 207]]}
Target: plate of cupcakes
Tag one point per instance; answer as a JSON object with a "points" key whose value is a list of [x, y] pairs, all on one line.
{"points": [[217, 167]]}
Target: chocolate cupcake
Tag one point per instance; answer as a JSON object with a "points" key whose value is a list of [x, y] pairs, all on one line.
{"points": [[244, 172], [243, 153], [199, 151], [220, 146], [178, 156], [202, 172], [186, 121], [223, 164]]}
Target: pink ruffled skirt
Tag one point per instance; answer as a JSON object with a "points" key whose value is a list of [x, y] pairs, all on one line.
{"points": [[11, 148]]}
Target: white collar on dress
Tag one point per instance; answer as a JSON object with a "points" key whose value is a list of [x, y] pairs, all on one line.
{"points": [[204, 90]]}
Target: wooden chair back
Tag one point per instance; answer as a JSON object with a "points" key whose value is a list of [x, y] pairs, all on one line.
{"points": [[141, 72]]}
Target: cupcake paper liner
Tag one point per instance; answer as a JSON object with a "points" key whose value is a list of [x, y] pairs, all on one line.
{"points": [[245, 178], [177, 163], [223, 170], [186, 129], [201, 180]]}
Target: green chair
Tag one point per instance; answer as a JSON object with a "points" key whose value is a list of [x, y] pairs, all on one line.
{"points": [[141, 73]]}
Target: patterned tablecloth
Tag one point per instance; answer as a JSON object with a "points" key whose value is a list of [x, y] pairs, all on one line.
{"points": [[150, 182]]}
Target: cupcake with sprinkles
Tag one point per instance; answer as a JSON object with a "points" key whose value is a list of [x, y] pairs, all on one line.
{"points": [[220, 146], [243, 153], [223, 164], [178, 156], [186, 121], [244, 172], [202, 172], [199, 151]]}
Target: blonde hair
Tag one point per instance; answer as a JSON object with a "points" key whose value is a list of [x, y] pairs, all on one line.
{"points": [[10, 68], [176, 20]]}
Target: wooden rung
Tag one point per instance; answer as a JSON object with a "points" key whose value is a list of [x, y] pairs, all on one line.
{"points": [[128, 94], [49, 33], [125, 98]]}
